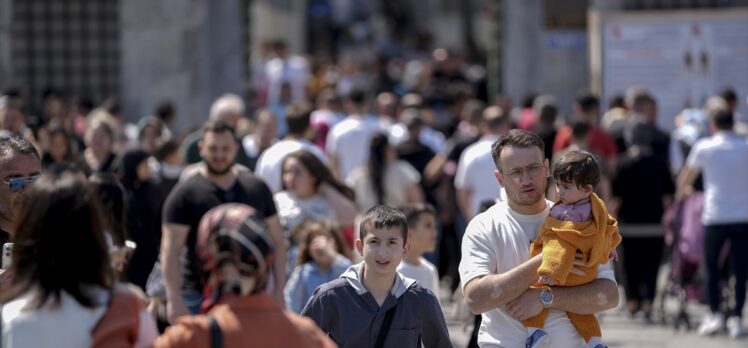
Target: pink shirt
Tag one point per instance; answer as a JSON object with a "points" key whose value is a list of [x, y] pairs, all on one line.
{"points": [[577, 212]]}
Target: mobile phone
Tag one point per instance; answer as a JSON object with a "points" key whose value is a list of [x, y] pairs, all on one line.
{"points": [[7, 255]]}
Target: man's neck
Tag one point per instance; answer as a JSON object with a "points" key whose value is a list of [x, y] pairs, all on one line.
{"points": [[376, 284], [533, 209], [223, 180]]}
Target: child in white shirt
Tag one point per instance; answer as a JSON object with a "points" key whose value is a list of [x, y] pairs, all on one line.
{"points": [[422, 239]]}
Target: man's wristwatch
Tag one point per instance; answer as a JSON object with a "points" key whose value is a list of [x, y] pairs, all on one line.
{"points": [[546, 296]]}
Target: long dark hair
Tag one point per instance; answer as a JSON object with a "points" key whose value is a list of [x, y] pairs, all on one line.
{"points": [[378, 164], [320, 171], [113, 200], [59, 243]]}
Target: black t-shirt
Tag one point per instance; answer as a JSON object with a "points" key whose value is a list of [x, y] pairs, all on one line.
{"points": [[641, 182], [192, 198]]}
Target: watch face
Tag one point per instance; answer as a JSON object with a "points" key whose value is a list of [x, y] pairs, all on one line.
{"points": [[546, 297]]}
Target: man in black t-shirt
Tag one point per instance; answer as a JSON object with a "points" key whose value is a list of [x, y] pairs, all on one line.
{"points": [[216, 182], [20, 164]]}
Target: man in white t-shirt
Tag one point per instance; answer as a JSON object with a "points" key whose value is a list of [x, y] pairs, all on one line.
{"points": [[474, 178], [723, 160], [270, 164], [348, 141], [496, 271]]}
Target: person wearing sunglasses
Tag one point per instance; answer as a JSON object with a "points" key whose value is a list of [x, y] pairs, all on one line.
{"points": [[20, 165]]}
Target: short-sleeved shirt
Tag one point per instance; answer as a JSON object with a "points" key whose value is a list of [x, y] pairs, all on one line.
{"points": [[397, 177], [723, 160], [193, 197], [496, 241], [349, 142], [475, 172], [270, 164], [292, 210]]}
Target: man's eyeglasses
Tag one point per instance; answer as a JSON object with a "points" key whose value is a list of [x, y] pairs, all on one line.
{"points": [[18, 184], [533, 171]]}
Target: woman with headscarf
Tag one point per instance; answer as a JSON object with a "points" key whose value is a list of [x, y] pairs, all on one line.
{"points": [[236, 252]]}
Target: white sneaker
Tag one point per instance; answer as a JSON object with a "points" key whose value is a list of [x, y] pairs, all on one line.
{"points": [[711, 324], [735, 327]]}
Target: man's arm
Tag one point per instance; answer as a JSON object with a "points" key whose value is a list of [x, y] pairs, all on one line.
{"points": [[685, 181], [279, 262], [172, 242], [464, 196], [596, 296], [490, 291]]}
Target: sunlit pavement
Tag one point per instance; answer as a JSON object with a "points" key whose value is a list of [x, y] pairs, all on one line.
{"points": [[621, 331]]}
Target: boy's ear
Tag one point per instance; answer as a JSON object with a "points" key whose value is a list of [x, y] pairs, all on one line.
{"points": [[406, 247], [359, 246], [588, 188]]}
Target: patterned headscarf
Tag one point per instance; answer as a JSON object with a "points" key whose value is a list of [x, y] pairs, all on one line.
{"points": [[235, 252]]}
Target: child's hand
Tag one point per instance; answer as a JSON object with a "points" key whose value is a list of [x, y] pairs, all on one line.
{"points": [[547, 280], [613, 255]]}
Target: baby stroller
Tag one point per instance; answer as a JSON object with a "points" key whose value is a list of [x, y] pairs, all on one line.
{"points": [[684, 236]]}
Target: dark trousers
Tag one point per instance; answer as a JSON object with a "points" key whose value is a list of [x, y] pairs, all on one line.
{"points": [[715, 237], [642, 257]]}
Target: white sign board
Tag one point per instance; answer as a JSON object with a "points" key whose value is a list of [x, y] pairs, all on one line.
{"points": [[682, 58]]}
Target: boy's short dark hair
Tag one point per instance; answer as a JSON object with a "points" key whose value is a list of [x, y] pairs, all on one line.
{"points": [[383, 216], [413, 212], [578, 167], [516, 138]]}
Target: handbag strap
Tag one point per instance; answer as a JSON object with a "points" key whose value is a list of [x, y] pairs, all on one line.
{"points": [[385, 329], [216, 335]]}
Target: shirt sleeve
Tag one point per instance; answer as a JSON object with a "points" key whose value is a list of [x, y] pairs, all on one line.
{"points": [[315, 310], [407, 173], [462, 171], [605, 271], [696, 157], [478, 255], [268, 202], [434, 332], [294, 291], [176, 207]]}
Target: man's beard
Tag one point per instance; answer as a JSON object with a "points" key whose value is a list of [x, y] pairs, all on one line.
{"points": [[216, 171]]}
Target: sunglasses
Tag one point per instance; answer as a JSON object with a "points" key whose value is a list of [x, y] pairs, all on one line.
{"points": [[18, 184]]}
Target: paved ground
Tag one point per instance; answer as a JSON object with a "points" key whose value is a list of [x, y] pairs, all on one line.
{"points": [[620, 331]]}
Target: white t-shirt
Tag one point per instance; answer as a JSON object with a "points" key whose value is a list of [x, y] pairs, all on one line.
{"points": [[723, 159], [67, 325], [270, 164], [294, 71], [475, 172], [495, 242], [293, 210], [425, 274], [349, 142], [397, 177]]}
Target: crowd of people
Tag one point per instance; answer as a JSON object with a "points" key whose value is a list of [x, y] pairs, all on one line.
{"points": [[344, 194]]}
